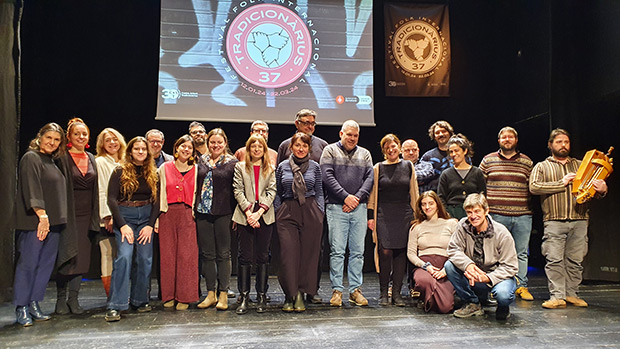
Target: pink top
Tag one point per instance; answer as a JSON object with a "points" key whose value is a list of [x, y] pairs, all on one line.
{"points": [[256, 175], [81, 161]]}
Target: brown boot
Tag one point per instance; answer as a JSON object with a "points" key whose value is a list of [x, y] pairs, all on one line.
{"points": [[209, 301], [105, 280], [222, 303]]}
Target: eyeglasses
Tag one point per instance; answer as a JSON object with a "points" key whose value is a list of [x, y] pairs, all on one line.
{"points": [[197, 132], [155, 142], [307, 123], [260, 130]]}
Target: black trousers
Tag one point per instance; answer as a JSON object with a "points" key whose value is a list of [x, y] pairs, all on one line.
{"points": [[299, 229]]}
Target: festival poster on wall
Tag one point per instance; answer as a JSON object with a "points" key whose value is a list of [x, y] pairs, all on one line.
{"points": [[417, 62], [243, 60]]}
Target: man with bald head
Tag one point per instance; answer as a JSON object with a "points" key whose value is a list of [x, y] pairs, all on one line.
{"points": [[347, 179], [423, 169]]}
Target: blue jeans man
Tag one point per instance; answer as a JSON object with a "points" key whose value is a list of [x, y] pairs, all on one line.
{"points": [[521, 228], [140, 274], [503, 291], [346, 228]]}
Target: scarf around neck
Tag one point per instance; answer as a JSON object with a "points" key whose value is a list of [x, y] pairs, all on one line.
{"points": [[478, 257], [299, 168]]}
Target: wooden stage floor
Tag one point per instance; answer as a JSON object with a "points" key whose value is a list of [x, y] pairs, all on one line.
{"points": [[322, 326]]}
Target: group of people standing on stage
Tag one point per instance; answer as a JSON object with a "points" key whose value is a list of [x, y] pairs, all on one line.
{"points": [[449, 226]]}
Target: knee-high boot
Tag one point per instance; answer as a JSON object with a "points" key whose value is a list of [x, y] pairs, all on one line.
{"points": [[243, 282], [262, 277], [74, 290], [61, 295]]}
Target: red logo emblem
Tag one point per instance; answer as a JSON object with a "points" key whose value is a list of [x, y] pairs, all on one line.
{"points": [[269, 45]]}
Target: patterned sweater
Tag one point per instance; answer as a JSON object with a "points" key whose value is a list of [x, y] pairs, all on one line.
{"points": [[508, 190]]}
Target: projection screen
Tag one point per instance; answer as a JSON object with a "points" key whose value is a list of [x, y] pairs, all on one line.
{"points": [[239, 61]]}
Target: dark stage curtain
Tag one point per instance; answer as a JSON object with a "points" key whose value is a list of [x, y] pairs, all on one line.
{"points": [[8, 144]]}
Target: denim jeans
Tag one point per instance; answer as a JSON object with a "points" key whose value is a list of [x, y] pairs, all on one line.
{"points": [[346, 228], [140, 274], [520, 227], [503, 291], [565, 244]]}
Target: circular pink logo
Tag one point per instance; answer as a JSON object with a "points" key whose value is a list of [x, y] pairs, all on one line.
{"points": [[269, 45]]}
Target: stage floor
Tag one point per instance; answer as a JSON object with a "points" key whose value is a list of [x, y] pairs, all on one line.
{"points": [[322, 326]]}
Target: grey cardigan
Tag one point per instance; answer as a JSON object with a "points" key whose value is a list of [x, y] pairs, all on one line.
{"points": [[245, 194]]}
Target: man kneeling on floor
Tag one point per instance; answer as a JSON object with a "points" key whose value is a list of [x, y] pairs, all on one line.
{"points": [[482, 258]]}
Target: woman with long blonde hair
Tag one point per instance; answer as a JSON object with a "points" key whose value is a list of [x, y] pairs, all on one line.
{"points": [[254, 187], [111, 148], [132, 192]]}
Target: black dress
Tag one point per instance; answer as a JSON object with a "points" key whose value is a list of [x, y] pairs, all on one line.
{"points": [[394, 213], [85, 202]]}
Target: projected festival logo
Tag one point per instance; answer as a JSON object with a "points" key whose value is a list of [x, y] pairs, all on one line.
{"points": [[269, 46], [417, 47]]}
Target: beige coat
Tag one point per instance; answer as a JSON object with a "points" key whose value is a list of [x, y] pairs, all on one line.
{"points": [[374, 199], [243, 189]]}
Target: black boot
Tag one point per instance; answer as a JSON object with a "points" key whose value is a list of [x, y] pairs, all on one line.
{"points": [[398, 300], [36, 313], [384, 298], [74, 290], [262, 277], [243, 282], [61, 296]]}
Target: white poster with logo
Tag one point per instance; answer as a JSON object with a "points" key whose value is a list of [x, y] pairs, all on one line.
{"points": [[417, 41]]}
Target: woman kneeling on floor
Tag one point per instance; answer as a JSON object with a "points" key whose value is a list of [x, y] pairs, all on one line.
{"points": [[427, 250]]}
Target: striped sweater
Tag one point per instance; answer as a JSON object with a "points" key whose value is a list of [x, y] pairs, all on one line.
{"points": [[555, 198], [346, 173], [508, 191]]}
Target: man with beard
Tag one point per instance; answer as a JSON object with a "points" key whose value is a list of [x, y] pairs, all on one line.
{"points": [[198, 132], [565, 241], [507, 174], [440, 132]]}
